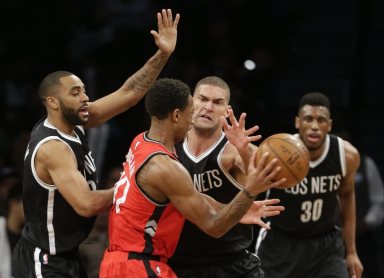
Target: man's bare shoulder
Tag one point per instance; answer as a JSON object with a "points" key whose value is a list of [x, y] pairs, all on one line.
{"points": [[352, 157], [351, 151], [53, 149], [162, 166], [162, 177]]}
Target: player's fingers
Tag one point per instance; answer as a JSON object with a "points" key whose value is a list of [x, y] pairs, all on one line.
{"points": [[272, 168], [224, 123], [164, 17], [251, 164], [262, 160], [263, 225], [176, 21], [160, 19], [169, 17], [269, 202], [232, 118], [278, 183], [252, 130], [242, 120], [254, 138]]}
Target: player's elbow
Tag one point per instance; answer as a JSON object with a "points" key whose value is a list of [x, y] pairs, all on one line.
{"points": [[85, 210]]}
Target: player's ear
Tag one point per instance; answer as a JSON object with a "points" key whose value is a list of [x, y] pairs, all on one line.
{"points": [[229, 107], [330, 125], [297, 122], [52, 102], [176, 115]]}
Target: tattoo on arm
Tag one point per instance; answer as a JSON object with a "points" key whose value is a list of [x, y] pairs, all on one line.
{"points": [[146, 76]]}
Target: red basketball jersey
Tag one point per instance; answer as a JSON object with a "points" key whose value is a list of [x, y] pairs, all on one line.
{"points": [[136, 222]]}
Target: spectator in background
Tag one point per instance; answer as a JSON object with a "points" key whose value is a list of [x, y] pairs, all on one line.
{"points": [[8, 178], [10, 228]]}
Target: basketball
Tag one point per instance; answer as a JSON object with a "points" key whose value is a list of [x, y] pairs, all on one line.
{"points": [[292, 154]]}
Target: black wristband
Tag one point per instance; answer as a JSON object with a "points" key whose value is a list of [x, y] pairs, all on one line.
{"points": [[246, 192]]}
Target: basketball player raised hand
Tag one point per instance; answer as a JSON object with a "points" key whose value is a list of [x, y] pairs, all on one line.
{"points": [[60, 187]]}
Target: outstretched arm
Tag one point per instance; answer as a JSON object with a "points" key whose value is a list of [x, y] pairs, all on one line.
{"points": [[254, 215], [61, 170], [240, 138], [154, 179], [262, 209], [136, 86]]}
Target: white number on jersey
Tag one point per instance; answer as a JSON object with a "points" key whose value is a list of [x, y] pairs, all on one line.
{"points": [[311, 211], [124, 183]]}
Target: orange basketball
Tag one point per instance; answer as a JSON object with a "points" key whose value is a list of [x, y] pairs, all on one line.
{"points": [[292, 154]]}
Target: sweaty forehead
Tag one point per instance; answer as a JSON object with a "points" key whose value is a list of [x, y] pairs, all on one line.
{"points": [[211, 92], [315, 111]]}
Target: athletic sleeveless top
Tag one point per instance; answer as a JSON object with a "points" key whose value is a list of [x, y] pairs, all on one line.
{"points": [[137, 223], [209, 177], [312, 207], [50, 222]]}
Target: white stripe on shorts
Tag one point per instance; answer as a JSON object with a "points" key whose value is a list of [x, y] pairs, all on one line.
{"points": [[36, 256]]}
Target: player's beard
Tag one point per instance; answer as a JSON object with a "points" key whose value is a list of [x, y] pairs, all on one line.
{"points": [[71, 115]]}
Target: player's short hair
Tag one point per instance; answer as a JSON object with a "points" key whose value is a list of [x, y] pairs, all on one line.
{"points": [[50, 83], [214, 81], [315, 99], [166, 95]]}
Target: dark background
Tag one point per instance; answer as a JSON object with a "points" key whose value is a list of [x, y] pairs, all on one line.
{"points": [[332, 46]]}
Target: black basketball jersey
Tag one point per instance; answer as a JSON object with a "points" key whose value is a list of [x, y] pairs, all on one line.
{"points": [[209, 177], [312, 207], [50, 222]]}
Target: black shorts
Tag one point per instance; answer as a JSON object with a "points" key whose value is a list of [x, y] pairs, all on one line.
{"points": [[30, 262], [283, 256], [245, 265]]}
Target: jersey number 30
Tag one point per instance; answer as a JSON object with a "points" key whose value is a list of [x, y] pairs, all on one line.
{"points": [[311, 210]]}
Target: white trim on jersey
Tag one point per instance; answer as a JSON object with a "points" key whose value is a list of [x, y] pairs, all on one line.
{"points": [[197, 159], [50, 229], [260, 237], [39, 181], [343, 161], [81, 127], [315, 163], [66, 136]]}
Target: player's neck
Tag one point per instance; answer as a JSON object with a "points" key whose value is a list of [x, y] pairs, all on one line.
{"points": [[61, 125], [315, 154], [163, 135], [199, 141]]}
